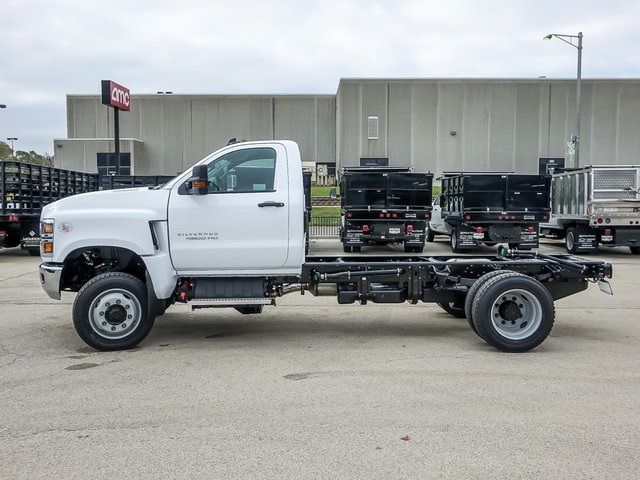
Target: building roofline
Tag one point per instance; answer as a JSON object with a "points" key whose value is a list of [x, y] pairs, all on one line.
{"points": [[494, 79], [218, 95]]}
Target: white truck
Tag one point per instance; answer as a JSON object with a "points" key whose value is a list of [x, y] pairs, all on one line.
{"points": [[596, 205], [231, 233]]}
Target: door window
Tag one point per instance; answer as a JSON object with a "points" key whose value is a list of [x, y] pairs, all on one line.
{"points": [[246, 170]]}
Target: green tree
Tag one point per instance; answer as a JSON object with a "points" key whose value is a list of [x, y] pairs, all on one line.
{"points": [[5, 151], [23, 156]]}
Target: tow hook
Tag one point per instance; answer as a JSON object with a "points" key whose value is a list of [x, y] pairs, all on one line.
{"points": [[183, 291]]}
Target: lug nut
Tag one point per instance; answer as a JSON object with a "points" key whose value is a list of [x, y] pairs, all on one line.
{"points": [[107, 304], [127, 307], [124, 325], [118, 302], [102, 314], [104, 324], [129, 316], [513, 322], [503, 322], [113, 329]]}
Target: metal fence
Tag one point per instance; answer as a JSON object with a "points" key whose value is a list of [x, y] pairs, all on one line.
{"points": [[324, 226]]}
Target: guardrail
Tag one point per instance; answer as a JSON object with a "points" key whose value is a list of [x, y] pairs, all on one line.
{"points": [[324, 226]]}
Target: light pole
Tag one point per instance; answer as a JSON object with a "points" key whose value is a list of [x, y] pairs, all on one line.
{"points": [[569, 39], [12, 139]]}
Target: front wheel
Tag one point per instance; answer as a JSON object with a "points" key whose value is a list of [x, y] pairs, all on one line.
{"points": [[431, 236], [453, 308], [513, 312], [111, 313], [635, 250]]}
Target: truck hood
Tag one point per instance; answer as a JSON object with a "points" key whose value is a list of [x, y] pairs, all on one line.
{"points": [[144, 203]]}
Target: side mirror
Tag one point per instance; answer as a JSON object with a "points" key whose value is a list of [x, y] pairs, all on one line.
{"points": [[198, 184]]}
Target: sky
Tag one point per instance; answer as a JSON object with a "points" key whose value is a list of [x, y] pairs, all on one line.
{"points": [[49, 49]]}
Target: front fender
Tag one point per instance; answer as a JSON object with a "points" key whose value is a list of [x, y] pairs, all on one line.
{"points": [[128, 229]]}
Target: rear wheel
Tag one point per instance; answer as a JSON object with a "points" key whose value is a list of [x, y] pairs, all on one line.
{"points": [[635, 250], [571, 240], [513, 246], [471, 294], [490, 244], [357, 249], [513, 312], [455, 247], [346, 249], [455, 308], [111, 313]]}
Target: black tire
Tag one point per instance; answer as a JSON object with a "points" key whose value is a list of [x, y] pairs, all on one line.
{"points": [[635, 250], [490, 244], [94, 290], [346, 249], [418, 249], [431, 236], [453, 308], [471, 294], [571, 240], [249, 309], [357, 249], [454, 242], [513, 246], [34, 252], [537, 300]]}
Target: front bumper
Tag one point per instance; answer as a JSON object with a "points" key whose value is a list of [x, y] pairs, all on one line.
{"points": [[50, 275]]}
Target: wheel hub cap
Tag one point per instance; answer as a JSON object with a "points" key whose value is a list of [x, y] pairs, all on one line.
{"points": [[516, 314], [115, 314]]}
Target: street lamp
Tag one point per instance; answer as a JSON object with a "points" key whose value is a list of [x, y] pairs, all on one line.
{"points": [[569, 39], [12, 139]]}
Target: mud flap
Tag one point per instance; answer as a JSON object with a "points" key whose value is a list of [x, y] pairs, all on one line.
{"points": [[586, 241]]}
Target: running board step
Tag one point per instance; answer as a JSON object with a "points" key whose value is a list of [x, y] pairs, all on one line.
{"points": [[230, 302]]}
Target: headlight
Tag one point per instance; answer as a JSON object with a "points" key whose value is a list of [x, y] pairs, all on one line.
{"points": [[47, 228]]}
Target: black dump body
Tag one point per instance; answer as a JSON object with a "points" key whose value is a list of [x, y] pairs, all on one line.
{"points": [[384, 205], [500, 207], [26, 188]]}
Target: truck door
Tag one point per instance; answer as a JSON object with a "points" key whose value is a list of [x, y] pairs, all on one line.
{"points": [[242, 224]]}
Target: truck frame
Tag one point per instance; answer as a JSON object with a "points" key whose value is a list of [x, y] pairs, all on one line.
{"points": [[131, 254], [477, 208], [596, 205], [383, 205]]}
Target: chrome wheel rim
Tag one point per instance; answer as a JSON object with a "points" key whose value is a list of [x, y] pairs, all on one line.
{"points": [[115, 314], [516, 314], [570, 241]]}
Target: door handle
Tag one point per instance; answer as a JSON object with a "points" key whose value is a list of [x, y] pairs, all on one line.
{"points": [[271, 204]]}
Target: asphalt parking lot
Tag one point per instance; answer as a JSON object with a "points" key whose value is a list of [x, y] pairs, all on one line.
{"points": [[311, 389]]}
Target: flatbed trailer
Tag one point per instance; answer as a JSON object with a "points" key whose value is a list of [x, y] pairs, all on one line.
{"points": [[596, 205], [26, 188], [382, 205], [477, 208]]}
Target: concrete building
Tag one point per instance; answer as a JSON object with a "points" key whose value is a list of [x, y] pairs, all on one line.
{"points": [[429, 124]]}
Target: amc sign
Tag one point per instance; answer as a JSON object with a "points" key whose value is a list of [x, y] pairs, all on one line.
{"points": [[115, 95]]}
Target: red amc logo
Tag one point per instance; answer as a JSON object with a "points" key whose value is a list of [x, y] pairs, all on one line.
{"points": [[115, 95]]}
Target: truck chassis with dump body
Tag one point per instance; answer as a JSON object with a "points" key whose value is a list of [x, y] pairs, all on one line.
{"points": [[596, 205], [490, 208], [132, 253], [382, 205]]}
